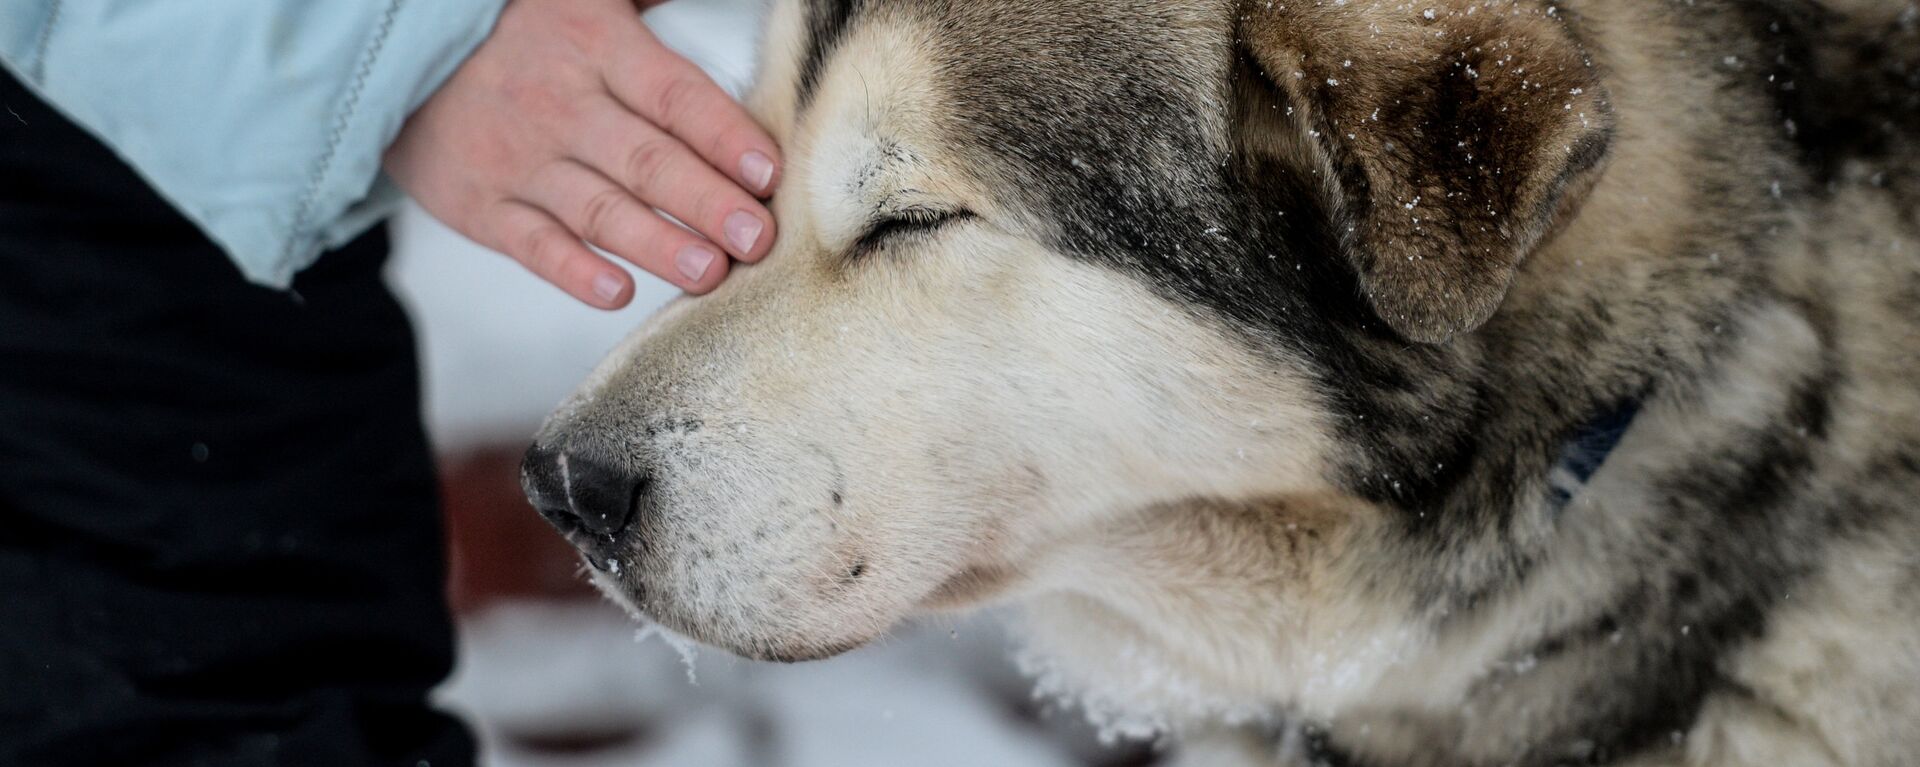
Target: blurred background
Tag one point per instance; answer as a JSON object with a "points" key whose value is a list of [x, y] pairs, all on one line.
{"points": [[552, 676]]}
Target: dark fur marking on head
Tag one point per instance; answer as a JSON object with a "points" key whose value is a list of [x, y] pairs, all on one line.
{"points": [[827, 21], [1248, 238], [1453, 157]]}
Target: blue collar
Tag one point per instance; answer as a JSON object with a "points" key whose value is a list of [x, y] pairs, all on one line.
{"points": [[1587, 449]]}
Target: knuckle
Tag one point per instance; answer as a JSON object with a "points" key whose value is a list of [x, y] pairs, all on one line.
{"points": [[717, 144], [541, 250], [673, 99], [714, 203], [600, 219], [647, 162]]}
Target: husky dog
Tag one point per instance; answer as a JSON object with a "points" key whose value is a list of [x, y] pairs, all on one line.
{"points": [[1351, 382]]}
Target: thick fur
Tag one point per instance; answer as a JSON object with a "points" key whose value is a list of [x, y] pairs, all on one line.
{"points": [[1236, 341]]}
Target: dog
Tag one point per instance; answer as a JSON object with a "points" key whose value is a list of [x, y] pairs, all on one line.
{"points": [[1344, 382]]}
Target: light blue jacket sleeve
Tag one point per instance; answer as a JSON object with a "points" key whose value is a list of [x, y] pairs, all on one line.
{"points": [[263, 121]]}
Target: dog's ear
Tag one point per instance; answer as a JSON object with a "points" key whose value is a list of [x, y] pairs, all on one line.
{"points": [[1448, 136]]}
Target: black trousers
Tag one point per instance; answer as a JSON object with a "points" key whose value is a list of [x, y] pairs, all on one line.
{"points": [[219, 536]]}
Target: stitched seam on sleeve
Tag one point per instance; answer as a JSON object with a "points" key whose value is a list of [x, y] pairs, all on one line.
{"points": [[37, 71], [348, 110]]}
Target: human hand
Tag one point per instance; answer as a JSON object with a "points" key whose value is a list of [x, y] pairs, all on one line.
{"points": [[568, 125]]}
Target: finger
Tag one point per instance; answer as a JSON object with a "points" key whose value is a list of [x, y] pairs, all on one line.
{"points": [[669, 91], [599, 211], [545, 247], [664, 173]]}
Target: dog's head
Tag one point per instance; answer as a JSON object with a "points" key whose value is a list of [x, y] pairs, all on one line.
{"points": [[1047, 269]]}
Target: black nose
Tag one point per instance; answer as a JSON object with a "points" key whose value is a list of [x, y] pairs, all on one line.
{"points": [[580, 495]]}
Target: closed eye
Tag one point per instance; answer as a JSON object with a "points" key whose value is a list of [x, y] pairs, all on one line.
{"points": [[906, 222]]}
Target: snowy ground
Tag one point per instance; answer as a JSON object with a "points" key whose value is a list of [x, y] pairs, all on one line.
{"points": [[570, 685], [566, 684]]}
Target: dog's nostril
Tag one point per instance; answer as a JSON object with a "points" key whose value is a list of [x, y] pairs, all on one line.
{"points": [[580, 495]]}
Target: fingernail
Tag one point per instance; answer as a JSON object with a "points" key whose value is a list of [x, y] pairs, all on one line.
{"points": [[693, 261], [743, 231], [757, 169], [607, 286]]}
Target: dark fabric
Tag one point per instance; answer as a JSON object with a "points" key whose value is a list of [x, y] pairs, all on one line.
{"points": [[219, 536]]}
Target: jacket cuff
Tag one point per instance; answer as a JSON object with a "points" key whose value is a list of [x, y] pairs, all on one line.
{"points": [[415, 48]]}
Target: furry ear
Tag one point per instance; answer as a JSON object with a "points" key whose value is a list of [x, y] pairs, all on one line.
{"points": [[1448, 135]]}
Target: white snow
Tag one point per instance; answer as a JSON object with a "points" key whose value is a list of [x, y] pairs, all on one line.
{"points": [[929, 698], [687, 649]]}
